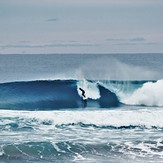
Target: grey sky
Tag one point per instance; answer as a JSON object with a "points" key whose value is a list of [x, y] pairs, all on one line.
{"points": [[81, 26]]}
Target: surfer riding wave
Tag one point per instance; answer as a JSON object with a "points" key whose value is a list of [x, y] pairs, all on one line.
{"points": [[84, 97]]}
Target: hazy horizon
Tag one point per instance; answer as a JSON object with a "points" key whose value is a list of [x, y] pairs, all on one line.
{"points": [[115, 26]]}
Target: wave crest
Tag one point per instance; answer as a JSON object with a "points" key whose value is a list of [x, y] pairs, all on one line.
{"points": [[61, 94], [150, 94]]}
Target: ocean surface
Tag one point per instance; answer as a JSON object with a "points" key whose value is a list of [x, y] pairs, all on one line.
{"points": [[81, 108]]}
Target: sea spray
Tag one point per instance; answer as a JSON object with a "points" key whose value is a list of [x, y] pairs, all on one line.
{"points": [[91, 89], [150, 94]]}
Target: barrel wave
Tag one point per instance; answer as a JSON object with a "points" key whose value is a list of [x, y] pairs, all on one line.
{"points": [[65, 94], [53, 95]]}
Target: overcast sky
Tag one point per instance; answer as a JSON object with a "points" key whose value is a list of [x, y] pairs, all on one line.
{"points": [[81, 26]]}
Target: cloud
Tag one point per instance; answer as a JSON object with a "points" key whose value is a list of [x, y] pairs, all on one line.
{"points": [[52, 20], [136, 39], [138, 43], [50, 45]]}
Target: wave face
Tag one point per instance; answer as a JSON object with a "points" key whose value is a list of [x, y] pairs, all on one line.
{"points": [[43, 95], [64, 94]]}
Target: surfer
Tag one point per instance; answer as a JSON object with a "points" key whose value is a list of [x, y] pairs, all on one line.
{"points": [[84, 97], [83, 93]]}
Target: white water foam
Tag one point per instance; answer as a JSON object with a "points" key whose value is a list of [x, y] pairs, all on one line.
{"points": [[150, 94], [91, 89], [141, 117], [131, 143]]}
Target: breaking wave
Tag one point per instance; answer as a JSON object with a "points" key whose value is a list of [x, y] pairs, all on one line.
{"points": [[63, 94], [138, 93]]}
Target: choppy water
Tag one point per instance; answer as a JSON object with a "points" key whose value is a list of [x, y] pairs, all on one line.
{"points": [[89, 136]]}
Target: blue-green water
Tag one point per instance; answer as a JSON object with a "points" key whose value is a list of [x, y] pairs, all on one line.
{"points": [[45, 118]]}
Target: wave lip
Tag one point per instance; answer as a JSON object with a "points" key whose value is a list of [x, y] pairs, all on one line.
{"points": [[149, 94]]}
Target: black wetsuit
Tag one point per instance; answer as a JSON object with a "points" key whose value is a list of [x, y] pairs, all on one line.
{"points": [[83, 92], [84, 100]]}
